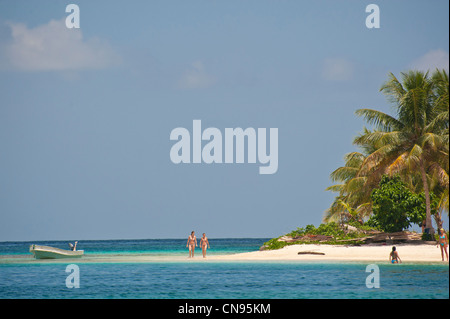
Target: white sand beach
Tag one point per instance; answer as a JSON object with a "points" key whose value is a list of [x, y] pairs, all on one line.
{"points": [[407, 253]]}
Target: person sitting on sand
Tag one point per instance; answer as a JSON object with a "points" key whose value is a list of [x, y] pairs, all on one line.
{"points": [[204, 243], [394, 257], [443, 243], [192, 243]]}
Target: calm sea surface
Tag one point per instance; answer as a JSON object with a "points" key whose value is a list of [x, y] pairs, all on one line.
{"points": [[23, 277]]}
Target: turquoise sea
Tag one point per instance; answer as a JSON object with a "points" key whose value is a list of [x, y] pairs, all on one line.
{"points": [[22, 277]]}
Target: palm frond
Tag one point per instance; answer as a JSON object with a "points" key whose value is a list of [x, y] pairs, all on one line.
{"points": [[381, 120], [343, 173], [337, 188]]}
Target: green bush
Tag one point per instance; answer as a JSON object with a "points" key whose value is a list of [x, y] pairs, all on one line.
{"points": [[395, 207], [328, 229], [275, 244]]}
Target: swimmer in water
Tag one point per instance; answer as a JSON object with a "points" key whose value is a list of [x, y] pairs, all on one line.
{"points": [[394, 257]]}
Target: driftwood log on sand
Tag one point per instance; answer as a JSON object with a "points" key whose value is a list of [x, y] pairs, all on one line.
{"points": [[310, 253]]}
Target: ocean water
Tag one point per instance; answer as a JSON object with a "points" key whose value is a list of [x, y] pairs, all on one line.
{"points": [[153, 247], [23, 277]]}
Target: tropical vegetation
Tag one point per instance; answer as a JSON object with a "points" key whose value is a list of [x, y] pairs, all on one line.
{"points": [[399, 175], [413, 144], [395, 207], [337, 234]]}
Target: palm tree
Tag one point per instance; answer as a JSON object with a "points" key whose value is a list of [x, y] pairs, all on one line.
{"points": [[353, 196], [441, 179], [440, 80], [416, 140]]}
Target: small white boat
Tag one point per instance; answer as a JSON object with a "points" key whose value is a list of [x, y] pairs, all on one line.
{"points": [[47, 252]]}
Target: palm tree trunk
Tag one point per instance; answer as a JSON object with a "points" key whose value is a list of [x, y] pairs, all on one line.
{"points": [[429, 226], [438, 220]]}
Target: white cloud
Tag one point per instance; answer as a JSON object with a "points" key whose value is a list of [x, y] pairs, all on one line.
{"points": [[432, 60], [54, 47], [337, 69], [196, 77]]}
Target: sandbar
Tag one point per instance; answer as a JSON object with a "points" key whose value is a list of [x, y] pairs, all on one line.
{"points": [[337, 253], [409, 253]]}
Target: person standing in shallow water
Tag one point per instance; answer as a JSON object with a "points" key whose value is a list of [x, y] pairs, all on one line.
{"points": [[394, 257], [204, 243], [191, 243]]}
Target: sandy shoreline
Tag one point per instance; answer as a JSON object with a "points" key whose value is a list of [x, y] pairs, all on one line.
{"points": [[328, 253], [407, 253]]}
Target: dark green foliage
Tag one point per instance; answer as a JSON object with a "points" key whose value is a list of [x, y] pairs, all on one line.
{"points": [[395, 207]]}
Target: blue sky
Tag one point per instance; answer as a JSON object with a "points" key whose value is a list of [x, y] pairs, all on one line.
{"points": [[86, 114]]}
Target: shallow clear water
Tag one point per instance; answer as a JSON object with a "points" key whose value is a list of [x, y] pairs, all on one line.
{"points": [[213, 279], [140, 246]]}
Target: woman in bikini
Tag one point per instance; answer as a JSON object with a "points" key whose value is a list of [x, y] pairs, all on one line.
{"points": [[443, 243], [394, 257], [204, 243], [191, 243]]}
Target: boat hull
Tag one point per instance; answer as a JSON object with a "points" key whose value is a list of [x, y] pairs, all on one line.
{"points": [[47, 252]]}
